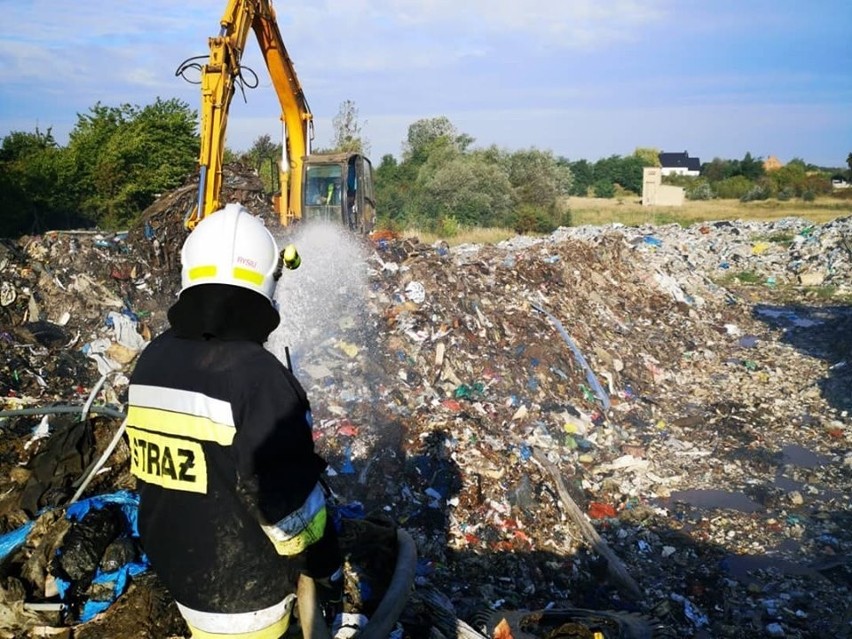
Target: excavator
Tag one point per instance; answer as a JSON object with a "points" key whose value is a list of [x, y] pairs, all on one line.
{"points": [[336, 187]]}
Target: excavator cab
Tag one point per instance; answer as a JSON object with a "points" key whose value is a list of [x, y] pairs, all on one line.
{"points": [[338, 187]]}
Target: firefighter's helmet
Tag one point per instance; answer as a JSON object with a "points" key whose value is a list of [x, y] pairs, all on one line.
{"points": [[231, 246]]}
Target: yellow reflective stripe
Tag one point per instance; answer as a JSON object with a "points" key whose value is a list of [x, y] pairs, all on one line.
{"points": [[301, 528], [247, 275], [268, 623], [181, 401], [180, 424], [177, 464], [274, 631], [199, 272], [294, 545]]}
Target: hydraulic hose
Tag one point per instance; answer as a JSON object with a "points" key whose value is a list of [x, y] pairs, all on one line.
{"points": [[63, 408], [101, 461]]}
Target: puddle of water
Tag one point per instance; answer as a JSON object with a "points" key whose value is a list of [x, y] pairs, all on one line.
{"points": [[739, 566], [796, 455], [787, 484], [812, 500], [720, 499], [789, 316]]}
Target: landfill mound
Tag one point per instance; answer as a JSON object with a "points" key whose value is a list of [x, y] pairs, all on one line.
{"points": [[635, 421]]}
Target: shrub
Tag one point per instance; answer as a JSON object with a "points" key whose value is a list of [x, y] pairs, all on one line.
{"points": [[757, 192], [701, 191], [528, 218], [733, 187], [448, 226], [604, 188]]}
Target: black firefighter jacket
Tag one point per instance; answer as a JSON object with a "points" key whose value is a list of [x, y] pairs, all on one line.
{"points": [[221, 440]]}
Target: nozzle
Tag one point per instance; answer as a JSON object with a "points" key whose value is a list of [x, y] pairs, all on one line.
{"points": [[292, 259]]}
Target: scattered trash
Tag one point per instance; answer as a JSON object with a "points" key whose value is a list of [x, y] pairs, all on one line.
{"points": [[671, 419]]}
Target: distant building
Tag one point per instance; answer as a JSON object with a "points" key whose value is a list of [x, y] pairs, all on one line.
{"points": [[655, 193], [679, 164], [839, 182], [771, 164]]}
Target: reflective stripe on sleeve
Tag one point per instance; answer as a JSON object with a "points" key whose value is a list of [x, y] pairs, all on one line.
{"points": [[300, 529], [184, 413], [269, 623]]}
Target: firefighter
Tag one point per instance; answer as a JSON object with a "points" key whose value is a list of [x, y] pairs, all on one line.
{"points": [[232, 506]]}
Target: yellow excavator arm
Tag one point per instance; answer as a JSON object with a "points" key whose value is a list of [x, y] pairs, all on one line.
{"points": [[218, 82]]}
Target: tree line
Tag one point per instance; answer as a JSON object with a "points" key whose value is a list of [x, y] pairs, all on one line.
{"points": [[118, 160]]}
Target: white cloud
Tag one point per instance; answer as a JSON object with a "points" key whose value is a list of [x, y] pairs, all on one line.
{"points": [[400, 58]]}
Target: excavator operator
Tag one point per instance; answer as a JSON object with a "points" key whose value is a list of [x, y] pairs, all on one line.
{"points": [[232, 506]]}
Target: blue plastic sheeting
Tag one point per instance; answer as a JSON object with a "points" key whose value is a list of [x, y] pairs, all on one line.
{"points": [[120, 578], [578, 355], [128, 501], [14, 539]]}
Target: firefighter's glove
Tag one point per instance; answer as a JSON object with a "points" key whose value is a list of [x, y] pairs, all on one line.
{"points": [[329, 592]]}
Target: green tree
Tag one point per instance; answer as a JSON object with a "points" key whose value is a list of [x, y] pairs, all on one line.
{"points": [[626, 172], [262, 150], [424, 134], [751, 168], [126, 155], [37, 182], [539, 183], [630, 171], [468, 187], [649, 155], [583, 175], [604, 188], [264, 155], [849, 164], [347, 130], [789, 180], [537, 178], [393, 187]]}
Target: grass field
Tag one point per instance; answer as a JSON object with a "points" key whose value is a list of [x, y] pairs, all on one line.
{"points": [[588, 210], [629, 211]]}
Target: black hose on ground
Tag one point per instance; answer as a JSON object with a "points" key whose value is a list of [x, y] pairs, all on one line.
{"points": [[382, 621]]}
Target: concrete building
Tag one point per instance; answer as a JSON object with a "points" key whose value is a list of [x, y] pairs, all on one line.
{"points": [[655, 193]]}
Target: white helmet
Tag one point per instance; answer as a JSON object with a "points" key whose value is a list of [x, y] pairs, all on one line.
{"points": [[231, 246]]}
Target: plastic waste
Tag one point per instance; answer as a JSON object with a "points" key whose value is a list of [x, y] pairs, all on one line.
{"points": [[578, 355], [14, 539], [104, 531], [415, 292]]}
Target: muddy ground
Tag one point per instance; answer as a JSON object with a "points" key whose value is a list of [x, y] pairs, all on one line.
{"points": [[477, 395]]}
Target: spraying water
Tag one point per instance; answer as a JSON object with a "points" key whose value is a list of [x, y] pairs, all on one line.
{"points": [[325, 298]]}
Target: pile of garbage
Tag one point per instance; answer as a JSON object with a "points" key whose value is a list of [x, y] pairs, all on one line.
{"points": [[614, 418]]}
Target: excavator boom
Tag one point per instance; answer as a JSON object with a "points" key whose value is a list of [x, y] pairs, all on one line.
{"points": [[346, 179]]}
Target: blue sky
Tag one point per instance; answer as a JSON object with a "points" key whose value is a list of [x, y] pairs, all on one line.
{"points": [[581, 78]]}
